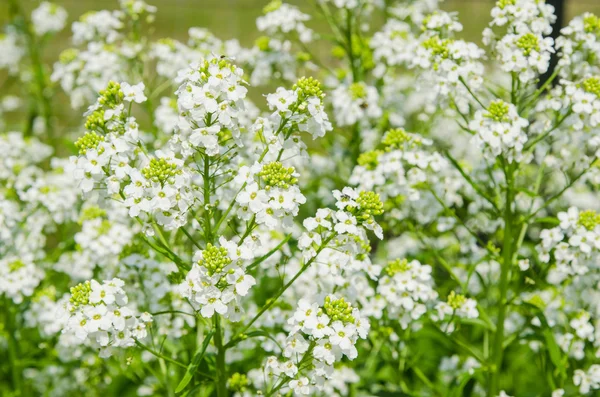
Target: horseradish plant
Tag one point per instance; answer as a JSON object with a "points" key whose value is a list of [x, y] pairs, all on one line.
{"points": [[420, 223]]}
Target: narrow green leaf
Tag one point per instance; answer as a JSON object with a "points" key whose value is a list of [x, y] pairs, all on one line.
{"points": [[196, 360]]}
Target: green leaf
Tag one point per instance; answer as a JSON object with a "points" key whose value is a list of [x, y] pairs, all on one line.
{"points": [[193, 367], [556, 355]]}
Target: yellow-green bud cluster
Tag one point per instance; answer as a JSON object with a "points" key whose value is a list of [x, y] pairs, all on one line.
{"points": [[456, 301], [80, 294], [498, 111], [591, 24], [263, 43], [274, 174], [589, 219], [168, 42], [358, 91], [90, 140], [111, 95], [274, 5], [222, 63], [49, 292], [398, 138], [303, 56], [307, 87], [104, 227], [592, 85], [338, 310], [68, 56], [214, 259], [528, 43], [95, 121], [397, 266], [338, 52], [369, 205], [161, 171], [369, 160], [90, 213], [15, 265], [238, 382], [437, 46], [504, 3]]}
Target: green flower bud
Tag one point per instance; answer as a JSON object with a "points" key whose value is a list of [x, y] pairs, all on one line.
{"points": [[111, 95], [397, 266], [498, 111], [369, 160], [274, 5], [161, 171], [238, 382], [308, 87], [90, 140], [89, 213], [592, 85], [528, 43], [262, 43], [456, 301], [398, 138], [214, 259], [502, 4], [276, 175], [589, 219], [80, 294], [338, 310], [15, 265], [591, 24]]}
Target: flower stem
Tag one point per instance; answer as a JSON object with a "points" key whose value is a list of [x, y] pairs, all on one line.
{"points": [[13, 348], [221, 380], [507, 255]]}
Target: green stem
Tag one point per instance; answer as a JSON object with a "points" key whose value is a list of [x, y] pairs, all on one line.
{"points": [[39, 73], [507, 254], [221, 380], [13, 348], [207, 212]]}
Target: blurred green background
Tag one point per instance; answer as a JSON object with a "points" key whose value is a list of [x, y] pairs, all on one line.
{"points": [[226, 19], [236, 18]]}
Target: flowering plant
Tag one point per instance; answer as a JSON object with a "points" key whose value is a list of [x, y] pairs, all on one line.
{"points": [[402, 212]]}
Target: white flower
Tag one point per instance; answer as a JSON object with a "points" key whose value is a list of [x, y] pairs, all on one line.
{"points": [[133, 93], [211, 302]]}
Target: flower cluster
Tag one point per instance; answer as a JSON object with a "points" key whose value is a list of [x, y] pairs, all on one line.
{"points": [[20, 278], [98, 312], [105, 50], [524, 49], [449, 62], [210, 100], [284, 18], [457, 305], [402, 168], [48, 18], [407, 288], [574, 243], [578, 44], [500, 130], [320, 336], [354, 103], [270, 194], [219, 278]]}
